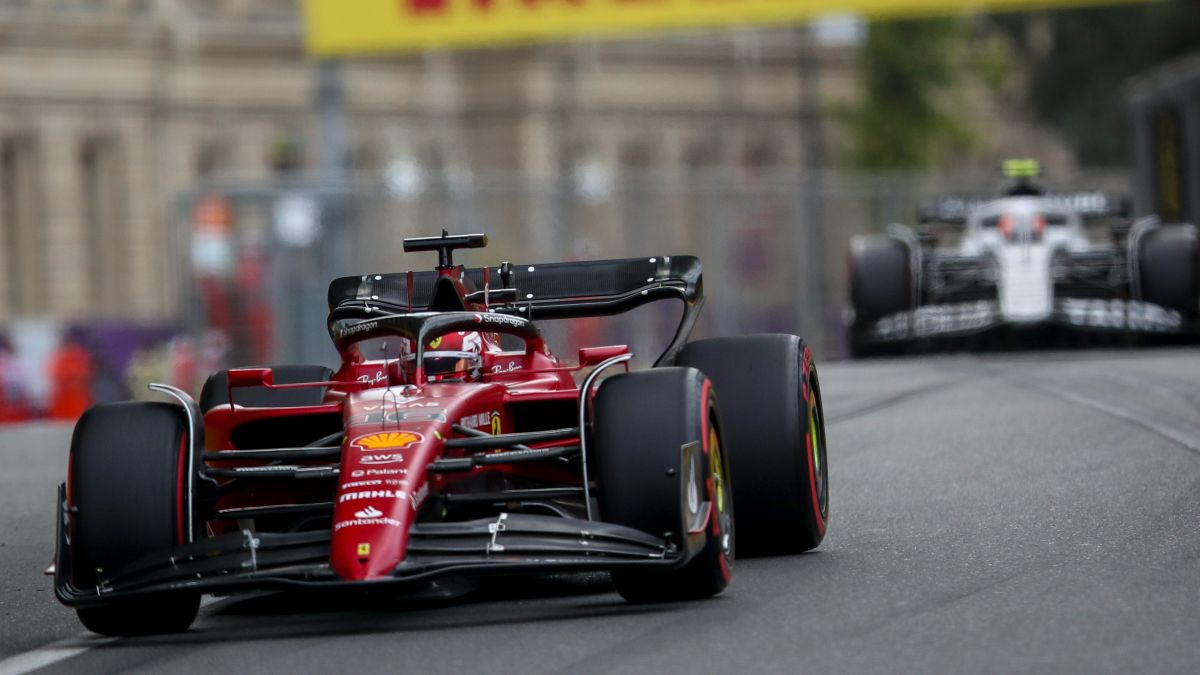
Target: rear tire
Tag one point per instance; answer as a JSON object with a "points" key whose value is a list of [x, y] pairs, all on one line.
{"points": [[1167, 265], [660, 469], [216, 389], [127, 469], [775, 436]]}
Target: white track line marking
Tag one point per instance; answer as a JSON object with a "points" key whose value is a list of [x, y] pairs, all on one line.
{"points": [[51, 654], [1184, 438], [1181, 437]]}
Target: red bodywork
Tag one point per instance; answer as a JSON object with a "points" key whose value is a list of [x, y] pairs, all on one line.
{"points": [[395, 425], [380, 472]]}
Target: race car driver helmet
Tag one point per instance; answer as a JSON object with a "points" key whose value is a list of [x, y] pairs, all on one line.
{"points": [[454, 356], [1021, 175]]}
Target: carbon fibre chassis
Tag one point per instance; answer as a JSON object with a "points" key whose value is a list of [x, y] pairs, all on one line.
{"points": [[245, 561]]}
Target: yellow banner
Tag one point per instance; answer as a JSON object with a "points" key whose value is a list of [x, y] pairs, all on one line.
{"points": [[360, 27]]}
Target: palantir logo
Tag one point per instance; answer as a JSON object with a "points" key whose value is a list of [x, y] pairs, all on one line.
{"points": [[369, 512]]}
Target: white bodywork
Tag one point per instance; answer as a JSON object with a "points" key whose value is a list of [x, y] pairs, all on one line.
{"points": [[1022, 235], [1025, 247]]}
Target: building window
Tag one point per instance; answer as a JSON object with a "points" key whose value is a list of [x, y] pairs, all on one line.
{"points": [[104, 218], [286, 156], [21, 229], [212, 161], [760, 156]]}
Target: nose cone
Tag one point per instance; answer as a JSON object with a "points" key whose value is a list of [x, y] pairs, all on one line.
{"points": [[376, 503], [1026, 285], [370, 533]]}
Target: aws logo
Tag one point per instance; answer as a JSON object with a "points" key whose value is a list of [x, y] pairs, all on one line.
{"points": [[390, 440]]}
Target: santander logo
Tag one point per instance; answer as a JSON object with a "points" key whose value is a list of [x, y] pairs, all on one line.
{"points": [[369, 512]]}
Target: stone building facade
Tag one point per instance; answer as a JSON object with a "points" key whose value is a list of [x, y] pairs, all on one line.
{"points": [[111, 109]]}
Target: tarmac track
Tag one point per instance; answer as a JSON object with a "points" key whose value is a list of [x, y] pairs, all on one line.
{"points": [[1024, 512]]}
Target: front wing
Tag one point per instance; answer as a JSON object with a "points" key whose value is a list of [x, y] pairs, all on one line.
{"points": [[967, 318], [244, 561]]}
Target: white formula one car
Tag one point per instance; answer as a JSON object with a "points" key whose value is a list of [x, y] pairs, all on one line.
{"points": [[1024, 261]]}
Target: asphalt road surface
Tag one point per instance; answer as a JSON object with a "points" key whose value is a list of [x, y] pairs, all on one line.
{"points": [[1030, 512]]}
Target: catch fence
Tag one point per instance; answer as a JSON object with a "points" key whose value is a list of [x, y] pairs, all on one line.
{"points": [[773, 246]]}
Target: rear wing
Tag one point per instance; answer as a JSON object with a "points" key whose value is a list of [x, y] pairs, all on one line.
{"points": [[562, 290]]}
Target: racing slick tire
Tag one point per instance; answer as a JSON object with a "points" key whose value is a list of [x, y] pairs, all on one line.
{"points": [[1168, 267], [125, 489], [660, 468], [216, 390], [775, 437], [880, 285]]}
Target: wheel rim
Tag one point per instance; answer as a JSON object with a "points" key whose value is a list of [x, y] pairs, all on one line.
{"points": [[816, 434], [721, 500]]}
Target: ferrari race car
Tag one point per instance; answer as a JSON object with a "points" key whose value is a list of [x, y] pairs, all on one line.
{"points": [[451, 441], [1024, 261]]}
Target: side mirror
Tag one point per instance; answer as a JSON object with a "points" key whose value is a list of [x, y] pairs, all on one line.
{"points": [[247, 377], [250, 377], [593, 356]]}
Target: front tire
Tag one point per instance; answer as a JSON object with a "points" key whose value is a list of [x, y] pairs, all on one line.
{"points": [[1168, 267], [661, 469], [157, 615], [128, 467], [775, 435], [881, 284]]}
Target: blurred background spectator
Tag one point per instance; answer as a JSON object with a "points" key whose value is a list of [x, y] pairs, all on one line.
{"points": [[14, 400], [70, 372]]}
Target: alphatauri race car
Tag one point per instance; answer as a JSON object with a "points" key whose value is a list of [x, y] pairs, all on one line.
{"points": [[1024, 262], [451, 441]]}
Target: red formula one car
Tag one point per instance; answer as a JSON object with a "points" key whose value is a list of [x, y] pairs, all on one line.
{"points": [[451, 441]]}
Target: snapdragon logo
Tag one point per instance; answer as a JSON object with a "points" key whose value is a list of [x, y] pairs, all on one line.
{"points": [[358, 328], [502, 319]]}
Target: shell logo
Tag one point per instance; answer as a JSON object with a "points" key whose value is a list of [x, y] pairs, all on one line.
{"points": [[389, 440]]}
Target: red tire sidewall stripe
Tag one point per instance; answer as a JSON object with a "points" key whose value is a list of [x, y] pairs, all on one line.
{"points": [[710, 484], [810, 451], [70, 496], [180, 535]]}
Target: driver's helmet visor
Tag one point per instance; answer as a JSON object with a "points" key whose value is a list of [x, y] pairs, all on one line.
{"points": [[450, 362]]}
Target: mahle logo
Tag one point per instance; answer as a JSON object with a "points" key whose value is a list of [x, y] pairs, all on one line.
{"points": [[389, 440]]}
